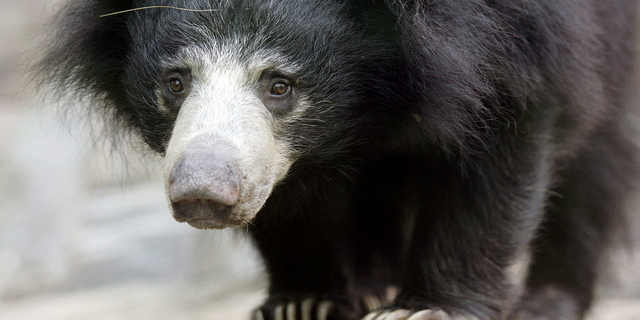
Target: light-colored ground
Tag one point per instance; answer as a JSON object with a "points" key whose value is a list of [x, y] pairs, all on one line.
{"points": [[170, 302]]}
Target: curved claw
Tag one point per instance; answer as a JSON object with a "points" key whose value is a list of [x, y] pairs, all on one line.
{"points": [[305, 308], [371, 302], [391, 293], [399, 314], [402, 314], [324, 309], [291, 311], [279, 313], [371, 316], [257, 315], [429, 315]]}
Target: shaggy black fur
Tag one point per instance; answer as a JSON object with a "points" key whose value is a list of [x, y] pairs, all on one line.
{"points": [[446, 137]]}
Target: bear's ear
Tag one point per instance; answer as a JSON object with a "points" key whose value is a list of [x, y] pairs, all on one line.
{"points": [[85, 54]]}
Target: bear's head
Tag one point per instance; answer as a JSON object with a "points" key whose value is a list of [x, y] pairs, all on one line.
{"points": [[232, 94]]}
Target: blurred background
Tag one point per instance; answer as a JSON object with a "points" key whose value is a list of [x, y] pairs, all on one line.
{"points": [[87, 235]]}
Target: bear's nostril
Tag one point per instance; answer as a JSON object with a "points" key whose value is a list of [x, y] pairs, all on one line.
{"points": [[206, 176], [188, 190], [203, 214]]}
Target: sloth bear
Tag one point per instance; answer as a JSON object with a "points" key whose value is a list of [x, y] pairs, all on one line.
{"points": [[390, 159]]}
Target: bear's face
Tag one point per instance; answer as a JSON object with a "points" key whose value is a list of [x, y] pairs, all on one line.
{"points": [[226, 150], [238, 97]]}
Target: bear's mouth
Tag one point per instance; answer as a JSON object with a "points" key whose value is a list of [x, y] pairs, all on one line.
{"points": [[206, 214]]}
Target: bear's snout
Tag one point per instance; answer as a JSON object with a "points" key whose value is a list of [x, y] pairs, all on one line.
{"points": [[203, 177], [204, 185]]}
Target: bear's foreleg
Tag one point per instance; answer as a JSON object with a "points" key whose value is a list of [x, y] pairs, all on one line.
{"points": [[308, 272], [469, 227]]}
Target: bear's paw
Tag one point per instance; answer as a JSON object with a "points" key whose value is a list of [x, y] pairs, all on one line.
{"points": [[307, 309], [402, 314]]}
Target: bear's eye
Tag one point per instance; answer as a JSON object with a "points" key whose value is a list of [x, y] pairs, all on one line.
{"points": [[279, 89], [175, 85]]}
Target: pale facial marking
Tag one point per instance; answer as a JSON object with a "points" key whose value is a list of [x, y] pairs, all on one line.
{"points": [[223, 105]]}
